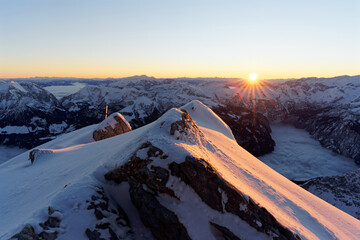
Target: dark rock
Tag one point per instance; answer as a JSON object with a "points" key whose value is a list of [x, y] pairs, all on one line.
{"points": [[94, 198], [102, 225], [52, 222], [98, 214], [27, 233], [37, 153], [93, 235], [209, 185], [43, 226], [32, 156], [112, 126], [222, 233], [122, 216], [48, 235], [163, 223], [251, 129], [185, 125], [113, 235], [51, 210], [107, 216], [137, 168]]}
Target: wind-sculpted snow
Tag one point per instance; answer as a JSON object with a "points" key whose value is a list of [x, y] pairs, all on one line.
{"points": [[71, 180]]}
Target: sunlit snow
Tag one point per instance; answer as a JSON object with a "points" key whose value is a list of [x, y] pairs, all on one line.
{"points": [[64, 178]]}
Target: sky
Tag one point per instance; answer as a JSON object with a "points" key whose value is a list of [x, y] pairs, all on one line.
{"points": [[173, 38]]}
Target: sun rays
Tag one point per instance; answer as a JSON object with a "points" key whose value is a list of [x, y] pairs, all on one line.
{"points": [[254, 94]]}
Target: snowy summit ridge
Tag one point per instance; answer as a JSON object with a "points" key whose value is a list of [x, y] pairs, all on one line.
{"points": [[180, 177]]}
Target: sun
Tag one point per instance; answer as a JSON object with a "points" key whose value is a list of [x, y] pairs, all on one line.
{"points": [[253, 77]]}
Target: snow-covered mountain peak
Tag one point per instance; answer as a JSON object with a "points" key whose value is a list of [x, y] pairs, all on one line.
{"points": [[206, 118], [180, 176]]}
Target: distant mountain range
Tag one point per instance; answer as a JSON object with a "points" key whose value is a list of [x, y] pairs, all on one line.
{"points": [[328, 108]]}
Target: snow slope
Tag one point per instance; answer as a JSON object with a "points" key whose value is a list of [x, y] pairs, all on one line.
{"points": [[67, 173]]}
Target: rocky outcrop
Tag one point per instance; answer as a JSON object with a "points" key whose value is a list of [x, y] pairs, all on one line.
{"points": [[112, 126], [27, 233], [111, 219], [341, 191], [38, 153], [206, 182], [147, 181], [251, 129], [50, 228]]}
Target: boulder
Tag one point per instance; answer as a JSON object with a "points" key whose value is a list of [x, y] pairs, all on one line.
{"points": [[112, 126]]}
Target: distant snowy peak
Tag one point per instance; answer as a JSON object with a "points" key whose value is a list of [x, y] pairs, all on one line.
{"points": [[28, 113], [339, 91], [17, 96]]}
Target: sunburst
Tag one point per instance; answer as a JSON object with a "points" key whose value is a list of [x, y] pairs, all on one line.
{"points": [[248, 92]]}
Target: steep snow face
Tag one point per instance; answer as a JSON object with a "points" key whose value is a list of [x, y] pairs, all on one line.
{"points": [[207, 118], [64, 176]]}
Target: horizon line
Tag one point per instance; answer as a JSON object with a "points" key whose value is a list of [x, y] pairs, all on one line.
{"points": [[146, 76]]}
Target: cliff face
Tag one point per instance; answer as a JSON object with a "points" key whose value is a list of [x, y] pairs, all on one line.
{"points": [[251, 129]]}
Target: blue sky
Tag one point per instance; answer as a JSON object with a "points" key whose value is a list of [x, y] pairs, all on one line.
{"points": [[108, 38]]}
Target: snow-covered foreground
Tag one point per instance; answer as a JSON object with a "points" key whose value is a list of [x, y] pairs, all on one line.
{"points": [[66, 174], [62, 91], [297, 156], [9, 152]]}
